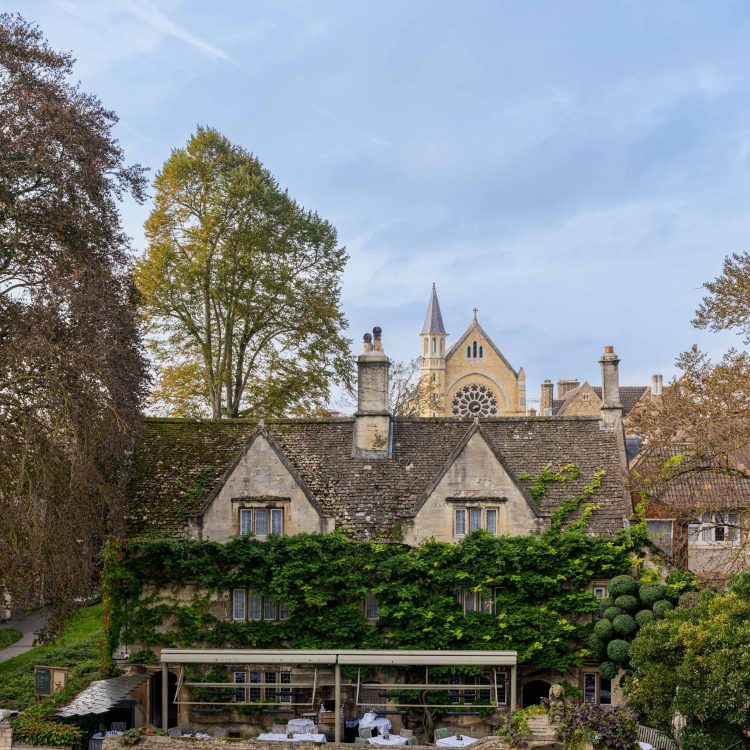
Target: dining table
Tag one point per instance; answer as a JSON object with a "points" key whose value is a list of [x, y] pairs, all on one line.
{"points": [[453, 741], [389, 740], [296, 737]]}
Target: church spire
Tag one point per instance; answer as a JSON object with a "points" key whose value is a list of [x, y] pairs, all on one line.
{"points": [[433, 321]]}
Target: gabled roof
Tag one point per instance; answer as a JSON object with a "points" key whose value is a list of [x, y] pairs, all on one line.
{"points": [[433, 320], [475, 326], [476, 430], [630, 395], [178, 463]]}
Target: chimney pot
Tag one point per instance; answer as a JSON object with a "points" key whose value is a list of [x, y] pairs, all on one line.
{"points": [[609, 349]]}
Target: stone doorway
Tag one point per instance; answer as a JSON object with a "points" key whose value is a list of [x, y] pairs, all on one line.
{"points": [[534, 691]]}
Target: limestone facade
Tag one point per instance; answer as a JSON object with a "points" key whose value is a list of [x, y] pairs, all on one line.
{"points": [[472, 378]]}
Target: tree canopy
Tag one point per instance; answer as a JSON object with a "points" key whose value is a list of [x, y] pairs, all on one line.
{"points": [[696, 663], [240, 289], [71, 369]]}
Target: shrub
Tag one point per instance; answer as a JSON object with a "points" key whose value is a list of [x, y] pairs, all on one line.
{"points": [[651, 593], [689, 599], [624, 625], [604, 630], [8, 636], [611, 612], [608, 670], [612, 727], [623, 585], [644, 617], [662, 607], [598, 647], [618, 651], [627, 603], [607, 601]]}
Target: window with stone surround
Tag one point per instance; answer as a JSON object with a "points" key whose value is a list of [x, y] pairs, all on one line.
{"points": [[466, 520], [476, 601], [261, 522], [596, 689], [372, 609], [659, 531], [249, 606]]}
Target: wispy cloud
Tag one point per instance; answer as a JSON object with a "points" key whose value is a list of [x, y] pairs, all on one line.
{"points": [[147, 12]]}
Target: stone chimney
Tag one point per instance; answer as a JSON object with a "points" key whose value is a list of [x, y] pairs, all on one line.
{"points": [[372, 423], [565, 386], [657, 386], [545, 406], [611, 406]]}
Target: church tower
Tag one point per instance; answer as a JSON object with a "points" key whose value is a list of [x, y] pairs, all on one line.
{"points": [[472, 379], [433, 360]]}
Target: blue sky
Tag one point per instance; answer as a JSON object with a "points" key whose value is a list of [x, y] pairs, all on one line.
{"points": [[576, 170]]}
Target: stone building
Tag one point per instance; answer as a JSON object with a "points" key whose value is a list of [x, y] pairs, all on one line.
{"points": [[472, 378], [396, 480]]}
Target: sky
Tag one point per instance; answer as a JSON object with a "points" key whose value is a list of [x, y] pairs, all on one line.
{"points": [[575, 170]]}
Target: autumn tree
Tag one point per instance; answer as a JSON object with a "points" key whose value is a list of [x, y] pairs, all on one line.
{"points": [[697, 434], [410, 395], [71, 371], [240, 289]]}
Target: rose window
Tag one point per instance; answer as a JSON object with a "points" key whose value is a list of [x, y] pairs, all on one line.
{"points": [[474, 401]]}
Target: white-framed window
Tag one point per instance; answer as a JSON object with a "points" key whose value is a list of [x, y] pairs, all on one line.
{"points": [[249, 606], [372, 610], [240, 695], [659, 531], [715, 528], [239, 609], [459, 523], [596, 689], [484, 693], [476, 601], [261, 522], [600, 592], [266, 687], [466, 520]]}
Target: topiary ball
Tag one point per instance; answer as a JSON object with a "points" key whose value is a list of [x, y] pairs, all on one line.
{"points": [[622, 585], [607, 602], [604, 630], [618, 651], [661, 607], [644, 617], [650, 593], [608, 670], [627, 603], [689, 599], [611, 612], [624, 625]]}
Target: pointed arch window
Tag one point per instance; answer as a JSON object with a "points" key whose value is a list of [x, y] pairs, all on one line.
{"points": [[481, 352], [468, 352], [474, 350], [434, 346]]}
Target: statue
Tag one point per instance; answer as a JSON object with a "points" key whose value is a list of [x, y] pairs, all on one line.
{"points": [[556, 704]]}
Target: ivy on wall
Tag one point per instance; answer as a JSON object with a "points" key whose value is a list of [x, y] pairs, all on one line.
{"points": [[539, 582]]}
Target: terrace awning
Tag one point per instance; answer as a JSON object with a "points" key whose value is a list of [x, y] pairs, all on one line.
{"points": [[337, 658]]}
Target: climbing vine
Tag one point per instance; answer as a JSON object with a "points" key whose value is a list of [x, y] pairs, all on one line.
{"points": [[534, 589]]}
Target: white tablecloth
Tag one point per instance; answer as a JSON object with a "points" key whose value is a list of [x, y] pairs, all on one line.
{"points": [[298, 737], [111, 733], [453, 742], [645, 746], [394, 739], [300, 725], [379, 724]]}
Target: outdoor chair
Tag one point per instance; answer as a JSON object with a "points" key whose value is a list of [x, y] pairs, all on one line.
{"points": [[411, 741], [361, 741], [406, 733], [174, 732], [365, 733], [96, 744], [442, 732], [119, 726]]}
